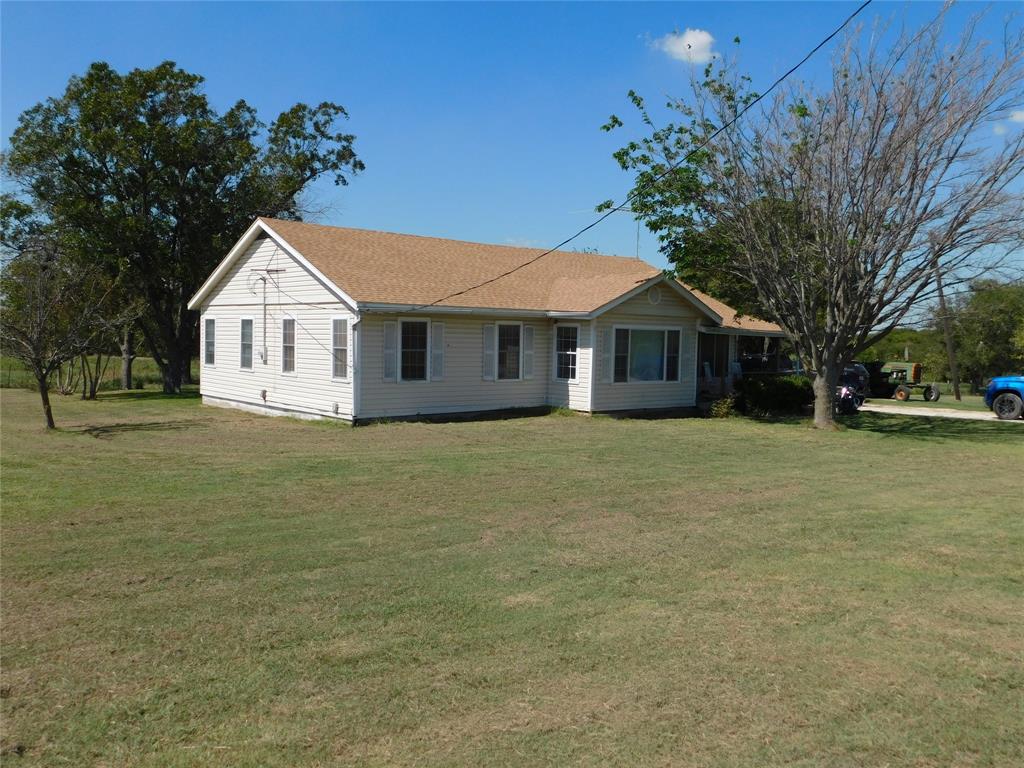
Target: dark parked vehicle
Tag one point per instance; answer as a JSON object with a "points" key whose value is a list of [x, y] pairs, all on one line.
{"points": [[1005, 396], [856, 377], [847, 401], [896, 379]]}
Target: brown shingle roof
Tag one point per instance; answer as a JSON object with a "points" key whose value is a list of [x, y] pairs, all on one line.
{"points": [[387, 268], [730, 318]]}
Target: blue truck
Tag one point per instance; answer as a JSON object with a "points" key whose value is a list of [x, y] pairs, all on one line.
{"points": [[1005, 396]]}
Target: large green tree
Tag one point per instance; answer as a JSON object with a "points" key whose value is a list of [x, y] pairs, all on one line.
{"points": [[146, 177], [986, 327]]}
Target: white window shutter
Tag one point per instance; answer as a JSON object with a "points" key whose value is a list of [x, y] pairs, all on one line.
{"points": [[490, 343], [437, 351], [390, 350], [607, 354], [527, 351]]}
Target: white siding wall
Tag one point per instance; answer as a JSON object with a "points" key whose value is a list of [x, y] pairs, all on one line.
{"points": [[294, 281], [671, 312], [573, 394], [311, 388], [463, 387]]}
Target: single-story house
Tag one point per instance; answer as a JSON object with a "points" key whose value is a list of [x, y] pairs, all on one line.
{"points": [[332, 322]]}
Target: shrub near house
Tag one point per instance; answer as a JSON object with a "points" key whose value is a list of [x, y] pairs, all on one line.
{"points": [[774, 394]]}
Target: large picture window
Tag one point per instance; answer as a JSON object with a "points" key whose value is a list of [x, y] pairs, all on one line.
{"points": [[245, 353], [509, 350], [413, 351], [566, 350], [643, 354]]}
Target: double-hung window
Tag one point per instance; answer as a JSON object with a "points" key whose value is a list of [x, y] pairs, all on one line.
{"points": [[245, 351], [209, 341], [566, 350], [643, 354], [509, 350], [413, 350], [339, 348], [288, 345]]}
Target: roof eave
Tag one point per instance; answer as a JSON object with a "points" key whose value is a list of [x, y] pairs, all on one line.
{"points": [[435, 309], [729, 330]]}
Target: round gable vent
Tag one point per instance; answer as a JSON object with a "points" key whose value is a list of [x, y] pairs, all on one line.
{"points": [[654, 294]]}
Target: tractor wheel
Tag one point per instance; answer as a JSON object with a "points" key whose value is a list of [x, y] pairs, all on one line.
{"points": [[1007, 406], [902, 393], [931, 393]]}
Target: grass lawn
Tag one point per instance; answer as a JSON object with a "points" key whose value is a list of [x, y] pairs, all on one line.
{"points": [[186, 586]]}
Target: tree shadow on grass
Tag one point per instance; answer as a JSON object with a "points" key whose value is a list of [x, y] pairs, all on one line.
{"points": [[107, 431], [150, 395], [935, 428]]}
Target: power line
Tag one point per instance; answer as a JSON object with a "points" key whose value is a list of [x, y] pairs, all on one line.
{"points": [[672, 166]]}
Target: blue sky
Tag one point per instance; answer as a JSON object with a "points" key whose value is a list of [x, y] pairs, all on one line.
{"points": [[477, 121]]}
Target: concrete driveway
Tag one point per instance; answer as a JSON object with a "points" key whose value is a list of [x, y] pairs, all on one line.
{"points": [[942, 413]]}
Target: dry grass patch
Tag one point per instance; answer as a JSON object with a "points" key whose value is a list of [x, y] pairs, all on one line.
{"points": [[186, 586]]}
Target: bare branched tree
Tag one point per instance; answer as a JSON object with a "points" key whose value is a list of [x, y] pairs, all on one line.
{"points": [[843, 207], [50, 309]]}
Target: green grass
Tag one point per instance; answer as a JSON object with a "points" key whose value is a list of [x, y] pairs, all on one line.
{"points": [[187, 586]]}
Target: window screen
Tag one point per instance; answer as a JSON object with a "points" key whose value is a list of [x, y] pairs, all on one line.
{"points": [[210, 342], [621, 354], [414, 351], [288, 345], [339, 348], [246, 348], [508, 351], [672, 356]]}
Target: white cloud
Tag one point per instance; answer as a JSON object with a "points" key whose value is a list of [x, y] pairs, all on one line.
{"points": [[693, 46], [999, 129], [1017, 116], [522, 242]]}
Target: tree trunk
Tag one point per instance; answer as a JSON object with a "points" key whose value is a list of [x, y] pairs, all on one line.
{"points": [[186, 369], [170, 369], [97, 375], [172, 379], [947, 334], [44, 395], [824, 396], [86, 373], [127, 356], [165, 344]]}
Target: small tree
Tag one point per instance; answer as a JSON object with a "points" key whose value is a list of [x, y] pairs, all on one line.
{"points": [[50, 308], [840, 206]]}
